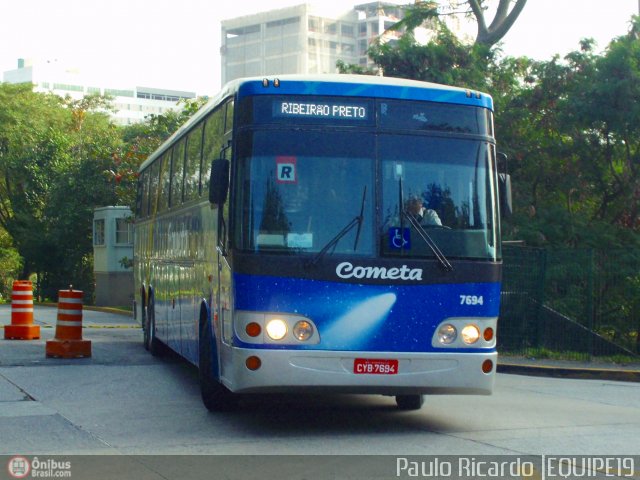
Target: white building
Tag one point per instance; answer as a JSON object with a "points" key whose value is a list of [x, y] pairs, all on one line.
{"points": [[303, 39], [132, 104], [112, 255], [310, 39]]}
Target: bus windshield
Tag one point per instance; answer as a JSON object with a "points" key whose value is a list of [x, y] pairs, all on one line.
{"points": [[448, 186], [299, 189]]}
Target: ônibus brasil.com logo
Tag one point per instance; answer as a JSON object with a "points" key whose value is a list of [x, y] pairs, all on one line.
{"points": [[19, 467]]}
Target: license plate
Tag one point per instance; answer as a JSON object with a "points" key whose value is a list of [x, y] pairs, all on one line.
{"points": [[371, 366]]}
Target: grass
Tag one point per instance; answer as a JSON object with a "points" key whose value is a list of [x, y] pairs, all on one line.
{"points": [[122, 308], [541, 353]]}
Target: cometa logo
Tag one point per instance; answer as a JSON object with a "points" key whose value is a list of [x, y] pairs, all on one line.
{"points": [[348, 270]]}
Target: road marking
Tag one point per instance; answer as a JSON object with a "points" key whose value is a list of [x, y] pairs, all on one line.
{"points": [[24, 408]]}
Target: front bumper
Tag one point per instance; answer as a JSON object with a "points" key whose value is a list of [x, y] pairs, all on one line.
{"points": [[331, 371]]}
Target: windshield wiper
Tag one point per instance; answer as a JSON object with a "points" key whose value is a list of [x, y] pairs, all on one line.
{"points": [[358, 220], [444, 262]]}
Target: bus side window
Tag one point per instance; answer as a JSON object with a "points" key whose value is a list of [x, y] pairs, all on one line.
{"points": [[192, 164], [225, 153], [177, 175], [153, 186], [143, 195], [228, 129], [213, 140], [165, 182]]}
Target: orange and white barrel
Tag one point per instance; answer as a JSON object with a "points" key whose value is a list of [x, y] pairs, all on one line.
{"points": [[22, 326], [68, 342]]}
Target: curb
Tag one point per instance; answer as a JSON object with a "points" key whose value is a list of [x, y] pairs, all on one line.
{"points": [[569, 372], [92, 308], [109, 310]]}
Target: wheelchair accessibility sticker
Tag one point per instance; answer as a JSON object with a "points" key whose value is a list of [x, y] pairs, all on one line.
{"points": [[399, 239]]}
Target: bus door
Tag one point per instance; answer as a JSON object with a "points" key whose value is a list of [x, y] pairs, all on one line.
{"points": [[223, 290]]}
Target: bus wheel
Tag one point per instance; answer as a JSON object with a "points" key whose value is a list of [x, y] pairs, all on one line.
{"points": [[144, 318], [409, 402], [151, 342], [215, 396]]}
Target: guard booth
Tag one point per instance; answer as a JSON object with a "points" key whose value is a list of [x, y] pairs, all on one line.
{"points": [[113, 256]]}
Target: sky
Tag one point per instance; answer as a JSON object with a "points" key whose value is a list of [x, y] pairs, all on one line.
{"points": [[175, 45]]}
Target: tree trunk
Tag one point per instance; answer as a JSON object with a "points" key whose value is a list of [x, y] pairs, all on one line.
{"points": [[502, 22]]}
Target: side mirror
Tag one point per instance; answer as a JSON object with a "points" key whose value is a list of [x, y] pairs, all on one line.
{"points": [[502, 162], [219, 182], [504, 190], [504, 185]]}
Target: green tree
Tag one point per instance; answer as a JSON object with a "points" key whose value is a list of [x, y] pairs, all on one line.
{"points": [[445, 58], [10, 264], [141, 140], [53, 153], [506, 14], [571, 128], [573, 134], [490, 31], [61, 158]]}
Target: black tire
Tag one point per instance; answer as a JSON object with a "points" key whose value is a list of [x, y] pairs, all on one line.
{"points": [[152, 343], [409, 402], [215, 396], [144, 320]]}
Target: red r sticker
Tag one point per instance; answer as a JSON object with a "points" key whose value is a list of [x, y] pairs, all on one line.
{"points": [[286, 170]]}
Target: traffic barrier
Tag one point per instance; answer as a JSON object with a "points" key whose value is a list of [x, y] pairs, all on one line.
{"points": [[68, 342], [22, 326]]}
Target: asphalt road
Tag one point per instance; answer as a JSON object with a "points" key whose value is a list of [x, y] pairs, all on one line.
{"points": [[123, 401]]}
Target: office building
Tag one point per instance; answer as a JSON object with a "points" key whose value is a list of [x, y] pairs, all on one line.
{"points": [[304, 39], [310, 39], [132, 104]]}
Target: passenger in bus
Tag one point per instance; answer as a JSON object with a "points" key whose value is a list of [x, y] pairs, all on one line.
{"points": [[425, 216]]}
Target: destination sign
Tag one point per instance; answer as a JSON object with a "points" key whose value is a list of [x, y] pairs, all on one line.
{"points": [[338, 111]]}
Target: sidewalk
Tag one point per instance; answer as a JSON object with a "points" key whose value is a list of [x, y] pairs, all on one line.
{"points": [[569, 369]]}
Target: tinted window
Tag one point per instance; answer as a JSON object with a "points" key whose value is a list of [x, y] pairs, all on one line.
{"points": [[194, 157], [143, 194], [177, 176], [229, 118], [435, 117], [298, 190], [448, 185], [165, 182], [213, 142], [153, 186]]}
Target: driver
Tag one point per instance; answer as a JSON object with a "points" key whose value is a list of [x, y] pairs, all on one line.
{"points": [[425, 216]]}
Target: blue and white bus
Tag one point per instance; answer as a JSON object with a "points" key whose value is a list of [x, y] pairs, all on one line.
{"points": [[332, 233]]}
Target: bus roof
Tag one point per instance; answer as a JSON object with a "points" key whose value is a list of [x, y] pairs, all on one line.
{"points": [[364, 86], [332, 85]]}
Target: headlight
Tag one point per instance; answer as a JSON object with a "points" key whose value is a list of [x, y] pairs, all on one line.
{"points": [[465, 332], [276, 329], [302, 330], [470, 334], [447, 334]]}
